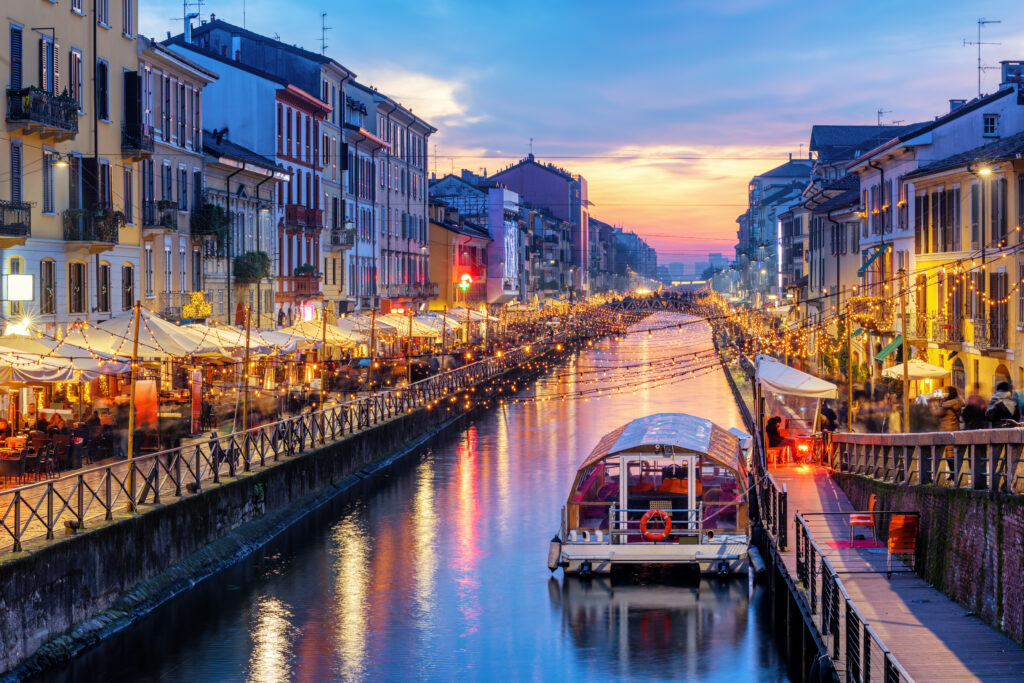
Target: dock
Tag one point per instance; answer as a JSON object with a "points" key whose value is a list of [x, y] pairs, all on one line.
{"points": [[927, 636]]}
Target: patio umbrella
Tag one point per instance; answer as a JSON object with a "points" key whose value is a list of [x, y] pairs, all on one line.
{"points": [[361, 324], [402, 325], [284, 343], [234, 339], [88, 364], [158, 339], [437, 320], [916, 369], [314, 330], [18, 366], [474, 315]]}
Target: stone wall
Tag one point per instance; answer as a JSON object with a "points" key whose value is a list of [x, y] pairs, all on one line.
{"points": [[66, 594], [971, 544]]}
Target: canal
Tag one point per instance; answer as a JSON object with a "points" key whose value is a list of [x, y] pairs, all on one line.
{"points": [[437, 571]]}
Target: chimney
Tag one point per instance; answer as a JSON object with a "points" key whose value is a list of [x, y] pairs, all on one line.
{"points": [[236, 47], [956, 104], [188, 26], [213, 17]]}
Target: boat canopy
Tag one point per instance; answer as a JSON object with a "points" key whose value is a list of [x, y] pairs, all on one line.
{"points": [[783, 379], [679, 430]]}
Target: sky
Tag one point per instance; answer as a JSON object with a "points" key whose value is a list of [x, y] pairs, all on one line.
{"points": [[667, 108]]}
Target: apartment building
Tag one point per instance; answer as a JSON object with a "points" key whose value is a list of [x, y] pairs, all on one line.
{"points": [[69, 204], [165, 133], [458, 258]]}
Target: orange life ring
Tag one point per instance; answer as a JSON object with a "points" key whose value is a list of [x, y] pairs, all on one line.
{"points": [[656, 535]]}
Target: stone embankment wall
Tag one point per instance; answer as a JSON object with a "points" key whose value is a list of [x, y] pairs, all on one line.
{"points": [[971, 544], [67, 594]]}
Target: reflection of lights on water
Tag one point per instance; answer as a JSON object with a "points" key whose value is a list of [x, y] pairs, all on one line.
{"points": [[466, 539], [351, 577], [271, 639], [424, 524]]}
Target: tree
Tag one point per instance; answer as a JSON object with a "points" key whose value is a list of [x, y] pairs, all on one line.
{"points": [[251, 266], [211, 219]]}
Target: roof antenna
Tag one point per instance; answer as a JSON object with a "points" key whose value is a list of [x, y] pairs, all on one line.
{"points": [[324, 28], [881, 113], [981, 22]]}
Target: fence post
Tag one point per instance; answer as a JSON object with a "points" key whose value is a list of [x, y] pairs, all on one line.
{"points": [[17, 521]]}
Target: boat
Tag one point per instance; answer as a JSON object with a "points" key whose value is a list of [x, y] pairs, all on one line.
{"points": [[665, 489]]}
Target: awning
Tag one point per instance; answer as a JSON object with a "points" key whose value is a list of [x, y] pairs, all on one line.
{"points": [[916, 369], [879, 250], [889, 348], [783, 379]]}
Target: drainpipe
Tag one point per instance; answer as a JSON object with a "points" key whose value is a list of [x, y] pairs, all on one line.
{"points": [[227, 189], [259, 243]]}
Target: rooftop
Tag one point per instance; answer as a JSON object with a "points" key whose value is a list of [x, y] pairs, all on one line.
{"points": [[1011, 147], [219, 145]]}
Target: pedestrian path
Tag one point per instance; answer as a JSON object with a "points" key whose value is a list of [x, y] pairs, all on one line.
{"points": [[932, 637]]}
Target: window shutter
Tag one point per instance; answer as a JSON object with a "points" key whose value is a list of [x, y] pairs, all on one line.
{"points": [[55, 56], [16, 65], [15, 173], [42, 65]]}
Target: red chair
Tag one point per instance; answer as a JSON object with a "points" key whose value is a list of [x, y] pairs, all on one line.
{"points": [[864, 519]]}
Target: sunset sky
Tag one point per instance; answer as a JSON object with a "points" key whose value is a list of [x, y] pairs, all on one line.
{"points": [[667, 108]]}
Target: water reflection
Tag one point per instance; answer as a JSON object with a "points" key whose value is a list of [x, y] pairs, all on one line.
{"points": [[272, 636], [350, 592]]}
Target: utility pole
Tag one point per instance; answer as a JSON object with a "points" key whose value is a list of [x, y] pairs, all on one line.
{"points": [[982, 22], [906, 358]]}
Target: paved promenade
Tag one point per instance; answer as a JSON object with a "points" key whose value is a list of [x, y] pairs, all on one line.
{"points": [[932, 637]]}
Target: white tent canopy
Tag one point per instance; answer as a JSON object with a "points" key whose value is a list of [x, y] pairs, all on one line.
{"points": [[158, 339], [782, 379], [916, 369], [51, 355], [315, 330]]}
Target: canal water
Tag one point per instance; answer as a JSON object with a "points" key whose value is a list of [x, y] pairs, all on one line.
{"points": [[437, 572]]}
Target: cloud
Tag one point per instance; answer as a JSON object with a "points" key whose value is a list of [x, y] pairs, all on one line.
{"points": [[438, 101]]}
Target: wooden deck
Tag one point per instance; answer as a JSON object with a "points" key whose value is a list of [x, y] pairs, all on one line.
{"points": [[932, 637]]}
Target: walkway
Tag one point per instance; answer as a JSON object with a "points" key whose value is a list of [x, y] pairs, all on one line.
{"points": [[932, 637]]}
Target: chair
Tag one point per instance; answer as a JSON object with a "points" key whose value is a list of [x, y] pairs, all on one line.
{"points": [[11, 469], [865, 519], [779, 454], [902, 538]]}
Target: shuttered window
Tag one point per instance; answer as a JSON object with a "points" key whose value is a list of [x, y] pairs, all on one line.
{"points": [[102, 91], [16, 65], [15, 171], [47, 287], [48, 181]]}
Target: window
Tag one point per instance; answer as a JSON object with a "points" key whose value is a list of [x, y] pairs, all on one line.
{"points": [[104, 181], [197, 188], [127, 18], [76, 287], [182, 114], [48, 181], [102, 89], [975, 216], [16, 266], [47, 287], [167, 182], [147, 269], [197, 270], [15, 171], [168, 285], [127, 286], [48, 65], [103, 288], [997, 196], [76, 6], [129, 195], [182, 189], [990, 125], [1020, 209], [75, 86], [16, 57], [103, 12]]}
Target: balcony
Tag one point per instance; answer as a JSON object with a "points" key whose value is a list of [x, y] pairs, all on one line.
{"points": [[43, 113], [159, 215], [416, 290], [874, 313], [343, 237], [296, 288], [168, 304], [990, 333], [425, 290], [948, 330], [136, 142], [296, 215], [15, 221], [101, 231]]}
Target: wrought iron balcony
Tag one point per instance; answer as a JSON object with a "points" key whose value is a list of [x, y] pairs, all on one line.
{"points": [[168, 304], [136, 142], [343, 237], [990, 332], [98, 228], [296, 215], [301, 286], [45, 113], [15, 219], [160, 214], [948, 329]]}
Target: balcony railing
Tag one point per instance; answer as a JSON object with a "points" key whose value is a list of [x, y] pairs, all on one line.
{"points": [[306, 285], [15, 218], [168, 304], [159, 214], [416, 290], [990, 333], [44, 112], [86, 227], [298, 215], [136, 142], [948, 329], [343, 238]]}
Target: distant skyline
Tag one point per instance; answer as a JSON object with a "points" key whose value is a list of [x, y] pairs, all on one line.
{"points": [[667, 108]]}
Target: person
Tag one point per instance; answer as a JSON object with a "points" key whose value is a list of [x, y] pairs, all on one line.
{"points": [[775, 438], [94, 419], [895, 420], [828, 417], [1002, 407], [42, 424], [973, 413], [948, 411]]}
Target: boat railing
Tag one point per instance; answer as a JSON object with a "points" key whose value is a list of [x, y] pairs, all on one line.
{"points": [[685, 522]]}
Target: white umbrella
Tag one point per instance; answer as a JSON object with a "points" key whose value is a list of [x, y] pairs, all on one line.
{"points": [[401, 323], [88, 363], [314, 330], [916, 369], [158, 338], [234, 339], [437, 320]]}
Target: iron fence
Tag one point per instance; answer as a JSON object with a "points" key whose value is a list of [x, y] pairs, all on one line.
{"points": [[40, 509], [774, 504]]}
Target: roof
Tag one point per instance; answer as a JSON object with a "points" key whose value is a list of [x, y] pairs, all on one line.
{"points": [[794, 168], [841, 201], [678, 430], [783, 379], [180, 42], [833, 143], [1011, 147], [233, 150], [251, 35], [531, 160]]}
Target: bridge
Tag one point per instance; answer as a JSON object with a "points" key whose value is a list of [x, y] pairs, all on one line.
{"points": [[678, 302]]}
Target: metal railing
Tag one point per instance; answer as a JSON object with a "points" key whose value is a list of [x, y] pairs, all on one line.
{"points": [[136, 139], [856, 649], [15, 218], [161, 214], [690, 522], [774, 506], [35, 106], [990, 332], [36, 511], [980, 460], [87, 227], [343, 237], [948, 329]]}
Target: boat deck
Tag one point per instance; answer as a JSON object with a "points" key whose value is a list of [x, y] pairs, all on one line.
{"points": [[932, 637]]}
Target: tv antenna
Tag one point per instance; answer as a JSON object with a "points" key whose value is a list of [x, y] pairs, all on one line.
{"points": [[881, 113], [324, 28], [531, 147], [982, 22]]}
